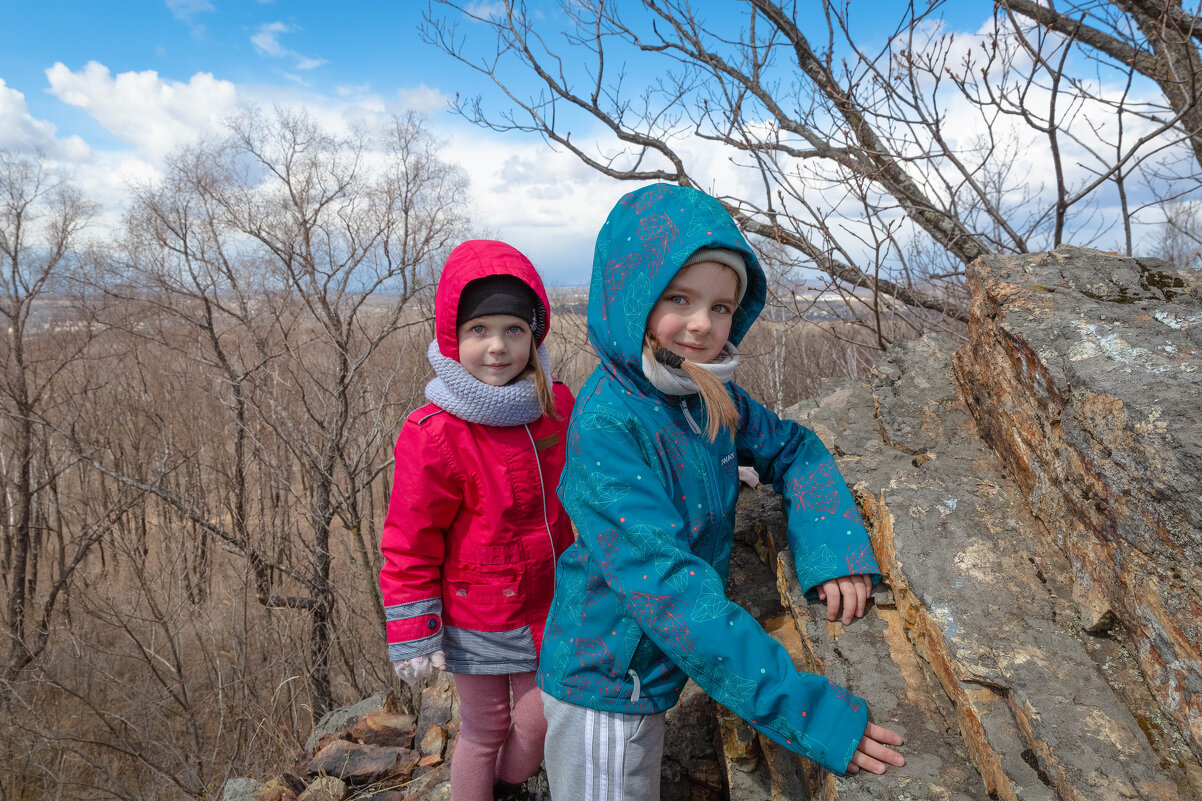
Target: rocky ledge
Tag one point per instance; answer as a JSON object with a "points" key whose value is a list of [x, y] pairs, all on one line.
{"points": [[1033, 498]]}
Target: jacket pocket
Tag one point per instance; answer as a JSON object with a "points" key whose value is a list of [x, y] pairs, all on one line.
{"points": [[628, 639], [482, 597]]}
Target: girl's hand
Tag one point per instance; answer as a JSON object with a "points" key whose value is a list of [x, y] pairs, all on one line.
{"points": [[852, 591], [873, 755], [419, 667]]}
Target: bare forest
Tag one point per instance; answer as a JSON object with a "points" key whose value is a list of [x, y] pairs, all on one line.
{"points": [[200, 399]]}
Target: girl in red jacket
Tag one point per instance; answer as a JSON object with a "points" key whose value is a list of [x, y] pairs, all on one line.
{"points": [[474, 525]]}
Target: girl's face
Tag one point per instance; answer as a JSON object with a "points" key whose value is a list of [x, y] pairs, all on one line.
{"points": [[693, 316], [495, 348]]}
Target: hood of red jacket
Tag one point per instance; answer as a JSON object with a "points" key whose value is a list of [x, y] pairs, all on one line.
{"points": [[478, 258]]}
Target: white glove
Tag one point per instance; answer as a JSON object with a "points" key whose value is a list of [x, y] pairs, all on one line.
{"points": [[749, 477], [419, 667]]}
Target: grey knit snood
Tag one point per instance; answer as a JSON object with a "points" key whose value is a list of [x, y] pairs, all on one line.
{"points": [[465, 396]]}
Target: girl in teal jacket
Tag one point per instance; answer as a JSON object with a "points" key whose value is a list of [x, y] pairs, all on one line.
{"points": [[650, 483]]}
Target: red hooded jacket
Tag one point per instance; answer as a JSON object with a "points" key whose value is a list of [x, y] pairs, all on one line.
{"points": [[474, 525]]}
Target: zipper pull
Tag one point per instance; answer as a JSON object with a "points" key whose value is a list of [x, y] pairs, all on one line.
{"points": [[684, 407], [638, 685]]}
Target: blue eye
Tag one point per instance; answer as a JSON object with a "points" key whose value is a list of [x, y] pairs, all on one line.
{"points": [[721, 308], [477, 329], [679, 300], [514, 330]]}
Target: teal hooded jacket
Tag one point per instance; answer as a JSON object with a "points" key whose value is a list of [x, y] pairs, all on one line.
{"points": [[640, 601]]}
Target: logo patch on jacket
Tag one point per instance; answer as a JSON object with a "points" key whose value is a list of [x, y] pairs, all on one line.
{"points": [[546, 442]]}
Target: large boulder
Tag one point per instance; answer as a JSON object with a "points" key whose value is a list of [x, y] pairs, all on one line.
{"points": [[1032, 497], [1082, 371]]}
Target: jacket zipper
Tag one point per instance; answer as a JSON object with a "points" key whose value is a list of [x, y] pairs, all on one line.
{"points": [[709, 479], [684, 407], [542, 493]]}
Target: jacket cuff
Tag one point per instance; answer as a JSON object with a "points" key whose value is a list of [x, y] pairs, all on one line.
{"points": [[414, 628], [412, 648]]}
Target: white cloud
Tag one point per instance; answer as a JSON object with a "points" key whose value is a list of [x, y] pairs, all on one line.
{"points": [[186, 11], [153, 115], [21, 132], [547, 204], [267, 42], [486, 10], [422, 99]]}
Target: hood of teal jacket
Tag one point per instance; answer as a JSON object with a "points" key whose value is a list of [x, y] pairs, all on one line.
{"points": [[647, 237]]}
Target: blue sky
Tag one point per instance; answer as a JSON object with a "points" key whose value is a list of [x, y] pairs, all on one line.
{"points": [[108, 89]]}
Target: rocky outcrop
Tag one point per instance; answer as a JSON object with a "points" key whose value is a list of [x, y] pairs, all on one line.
{"points": [[1033, 500], [1083, 373], [369, 752]]}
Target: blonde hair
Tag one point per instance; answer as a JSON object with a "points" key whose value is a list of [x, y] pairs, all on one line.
{"points": [[719, 408], [543, 387]]}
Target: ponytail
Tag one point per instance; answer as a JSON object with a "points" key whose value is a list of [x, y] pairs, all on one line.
{"points": [[542, 383], [719, 408]]}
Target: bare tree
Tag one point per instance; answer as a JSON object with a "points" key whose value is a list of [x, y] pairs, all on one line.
{"points": [[293, 254], [1181, 235], [195, 447], [1157, 39], [885, 167], [41, 218]]}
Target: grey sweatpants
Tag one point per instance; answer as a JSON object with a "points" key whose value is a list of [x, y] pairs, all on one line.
{"points": [[601, 756]]}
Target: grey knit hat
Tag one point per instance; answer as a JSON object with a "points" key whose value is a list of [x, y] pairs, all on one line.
{"points": [[731, 258]]}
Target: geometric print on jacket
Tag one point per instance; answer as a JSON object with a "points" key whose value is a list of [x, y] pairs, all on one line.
{"points": [[640, 603]]}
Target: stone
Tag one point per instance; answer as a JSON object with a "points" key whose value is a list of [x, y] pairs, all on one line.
{"points": [[433, 785], [873, 658], [439, 706], [363, 764], [279, 789], [385, 728], [690, 767], [757, 769], [324, 788], [338, 720], [240, 789], [433, 741], [1097, 616]]}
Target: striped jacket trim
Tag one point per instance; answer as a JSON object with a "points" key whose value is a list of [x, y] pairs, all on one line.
{"points": [[412, 648], [427, 606], [489, 653]]}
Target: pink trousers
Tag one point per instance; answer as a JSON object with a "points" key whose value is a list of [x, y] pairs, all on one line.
{"points": [[495, 740]]}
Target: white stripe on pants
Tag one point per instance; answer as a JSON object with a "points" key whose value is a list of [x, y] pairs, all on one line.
{"points": [[621, 753]]}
